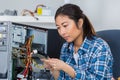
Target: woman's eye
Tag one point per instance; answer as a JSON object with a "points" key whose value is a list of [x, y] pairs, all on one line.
{"points": [[64, 25], [58, 27]]}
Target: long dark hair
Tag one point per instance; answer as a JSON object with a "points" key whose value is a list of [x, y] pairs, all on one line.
{"points": [[75, 13]]}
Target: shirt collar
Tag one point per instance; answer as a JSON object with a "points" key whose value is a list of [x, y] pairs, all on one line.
{"points": [[83, 48]]}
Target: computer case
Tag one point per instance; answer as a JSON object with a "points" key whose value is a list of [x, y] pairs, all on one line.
{"points": [[13, 39]]}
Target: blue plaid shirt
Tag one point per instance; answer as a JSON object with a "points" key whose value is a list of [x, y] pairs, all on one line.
{"points": [[94, 62]]}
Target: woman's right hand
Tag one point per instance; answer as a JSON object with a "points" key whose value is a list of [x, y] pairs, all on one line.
{"points": [[46, 65]]}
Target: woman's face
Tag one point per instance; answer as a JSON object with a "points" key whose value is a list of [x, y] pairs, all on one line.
{"points": [[68, 29]]}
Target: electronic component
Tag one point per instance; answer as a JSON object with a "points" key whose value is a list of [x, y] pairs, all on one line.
{"points": [[39, 54], [23, 53]]}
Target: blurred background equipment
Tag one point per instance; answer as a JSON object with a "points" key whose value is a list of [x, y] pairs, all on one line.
{"points": [[42, 10], [9, 12], [17, 57]]}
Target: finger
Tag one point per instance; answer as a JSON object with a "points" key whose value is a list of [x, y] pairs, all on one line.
{"points": [[54, 59], [45, 59], [53, 66], [42, 59]]}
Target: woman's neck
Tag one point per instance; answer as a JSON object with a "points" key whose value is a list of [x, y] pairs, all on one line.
{"points": [[77, 44]]}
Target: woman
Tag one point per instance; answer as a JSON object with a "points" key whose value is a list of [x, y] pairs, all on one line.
{"points": [[84, 56]]}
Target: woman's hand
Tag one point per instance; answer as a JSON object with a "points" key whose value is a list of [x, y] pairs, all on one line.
{"points": [[46, 65], [56, 65], [53, 63]]}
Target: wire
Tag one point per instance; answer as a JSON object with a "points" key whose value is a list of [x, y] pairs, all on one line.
{"points": [[25, 11]]}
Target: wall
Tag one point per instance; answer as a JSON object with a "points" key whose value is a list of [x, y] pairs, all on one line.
{"points": [[104, 14]]}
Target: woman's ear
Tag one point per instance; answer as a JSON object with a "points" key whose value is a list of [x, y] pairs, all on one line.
{"points": [[80, 22]]}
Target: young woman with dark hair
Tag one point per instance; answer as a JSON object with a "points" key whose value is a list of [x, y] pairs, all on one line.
{"points": [[84, 56]]}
